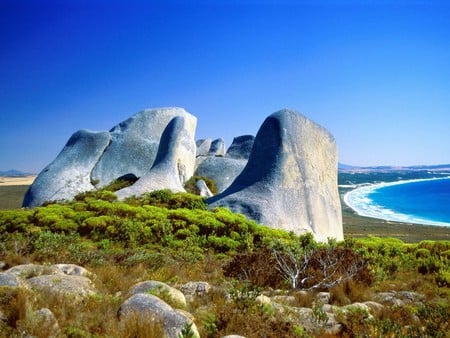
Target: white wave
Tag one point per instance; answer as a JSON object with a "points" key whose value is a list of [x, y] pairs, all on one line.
{"points": [[356, 185], [359, 201]]}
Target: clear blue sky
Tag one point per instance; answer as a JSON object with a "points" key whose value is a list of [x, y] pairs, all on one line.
{"points": [[376, 74]]}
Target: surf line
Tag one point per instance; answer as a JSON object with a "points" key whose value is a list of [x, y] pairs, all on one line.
{"points": [[359, 201]]}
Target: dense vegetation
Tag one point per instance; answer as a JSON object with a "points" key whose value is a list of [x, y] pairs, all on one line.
{"points": [[174, 238]]}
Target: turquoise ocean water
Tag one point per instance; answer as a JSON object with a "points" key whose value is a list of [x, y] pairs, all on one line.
{"points": [[424, 201]]}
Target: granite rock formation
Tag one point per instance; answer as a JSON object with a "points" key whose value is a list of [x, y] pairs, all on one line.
{"points": [[135, 142], [174, 163], [224, 169], [241, 147], [94, 159], [70, 173], [285, 178], [290, 180]]}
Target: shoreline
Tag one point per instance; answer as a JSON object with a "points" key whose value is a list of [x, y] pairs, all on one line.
{"points": [[6, 181], [356, 199]]}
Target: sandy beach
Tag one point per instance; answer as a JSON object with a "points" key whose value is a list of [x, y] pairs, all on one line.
{"points": [[18, 180]]}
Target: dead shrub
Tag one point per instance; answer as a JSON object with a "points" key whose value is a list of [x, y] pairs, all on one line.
{"points": [[257, 267]]}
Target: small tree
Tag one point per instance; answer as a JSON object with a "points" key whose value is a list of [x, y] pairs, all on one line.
{"points": [[291, 264], [318, 268]]}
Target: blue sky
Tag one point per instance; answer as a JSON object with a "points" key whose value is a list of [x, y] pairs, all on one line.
{"points": [[376, 74]]}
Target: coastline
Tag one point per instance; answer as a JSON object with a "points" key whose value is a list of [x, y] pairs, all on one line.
{"points": [[356, 199]]}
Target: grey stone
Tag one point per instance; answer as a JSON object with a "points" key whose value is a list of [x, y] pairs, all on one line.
{"points": [[411, 296], [47, 322], [290, 180], [174, 163], [73, 270], [135, 142], [374, 307], [192, 289], [203, 189], [10, 280], [222, 170], [70, 173], [241, 147], [323, 297], [285, 300], [26, 271], [203, 147], [172, 296], [217, 148], [66, 285], [389, 298], [233, 336], [357, 306], [263, 300], [149, 308]]}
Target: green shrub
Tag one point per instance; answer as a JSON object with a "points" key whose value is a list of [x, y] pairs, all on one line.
{"points": [[191, 188], [443, 277]]}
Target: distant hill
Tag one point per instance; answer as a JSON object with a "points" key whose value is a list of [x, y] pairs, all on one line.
{"points": [[437, 167], [14, 173]]}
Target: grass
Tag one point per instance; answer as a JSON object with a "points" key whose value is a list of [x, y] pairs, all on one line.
{"points": [[11, 197]]}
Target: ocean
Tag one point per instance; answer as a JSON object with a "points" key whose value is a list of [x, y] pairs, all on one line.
{"points": [[421, 201]]}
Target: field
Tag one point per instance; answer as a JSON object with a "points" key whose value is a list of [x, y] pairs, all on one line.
{"points": [[11, 197], [173, 238]]}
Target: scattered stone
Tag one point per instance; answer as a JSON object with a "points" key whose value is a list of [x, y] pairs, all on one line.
{"points": [[148, 308], [389, 298], [169, 294], [203, 189], [323, 297], [203, 147], [217, 148], [285, 300], [10, 280], [241, 147], [65, 285], [356, 306], [196, 289], [26, 271], [73, 270], [411, 296], [290, 180], [263, 300], [47, 322], [374, 307]]}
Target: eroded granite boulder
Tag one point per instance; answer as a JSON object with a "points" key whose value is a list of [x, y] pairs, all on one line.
{"points": [[290, 180], [135, 142], [241, 147], [70, 173], [174, 163], [93, 159], [224, 169]]}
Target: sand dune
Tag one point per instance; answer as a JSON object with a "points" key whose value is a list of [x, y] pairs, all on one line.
{"points": [[22, 180]]}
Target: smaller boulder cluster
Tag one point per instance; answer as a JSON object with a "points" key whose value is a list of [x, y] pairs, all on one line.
{"points": [[173, 309]]}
